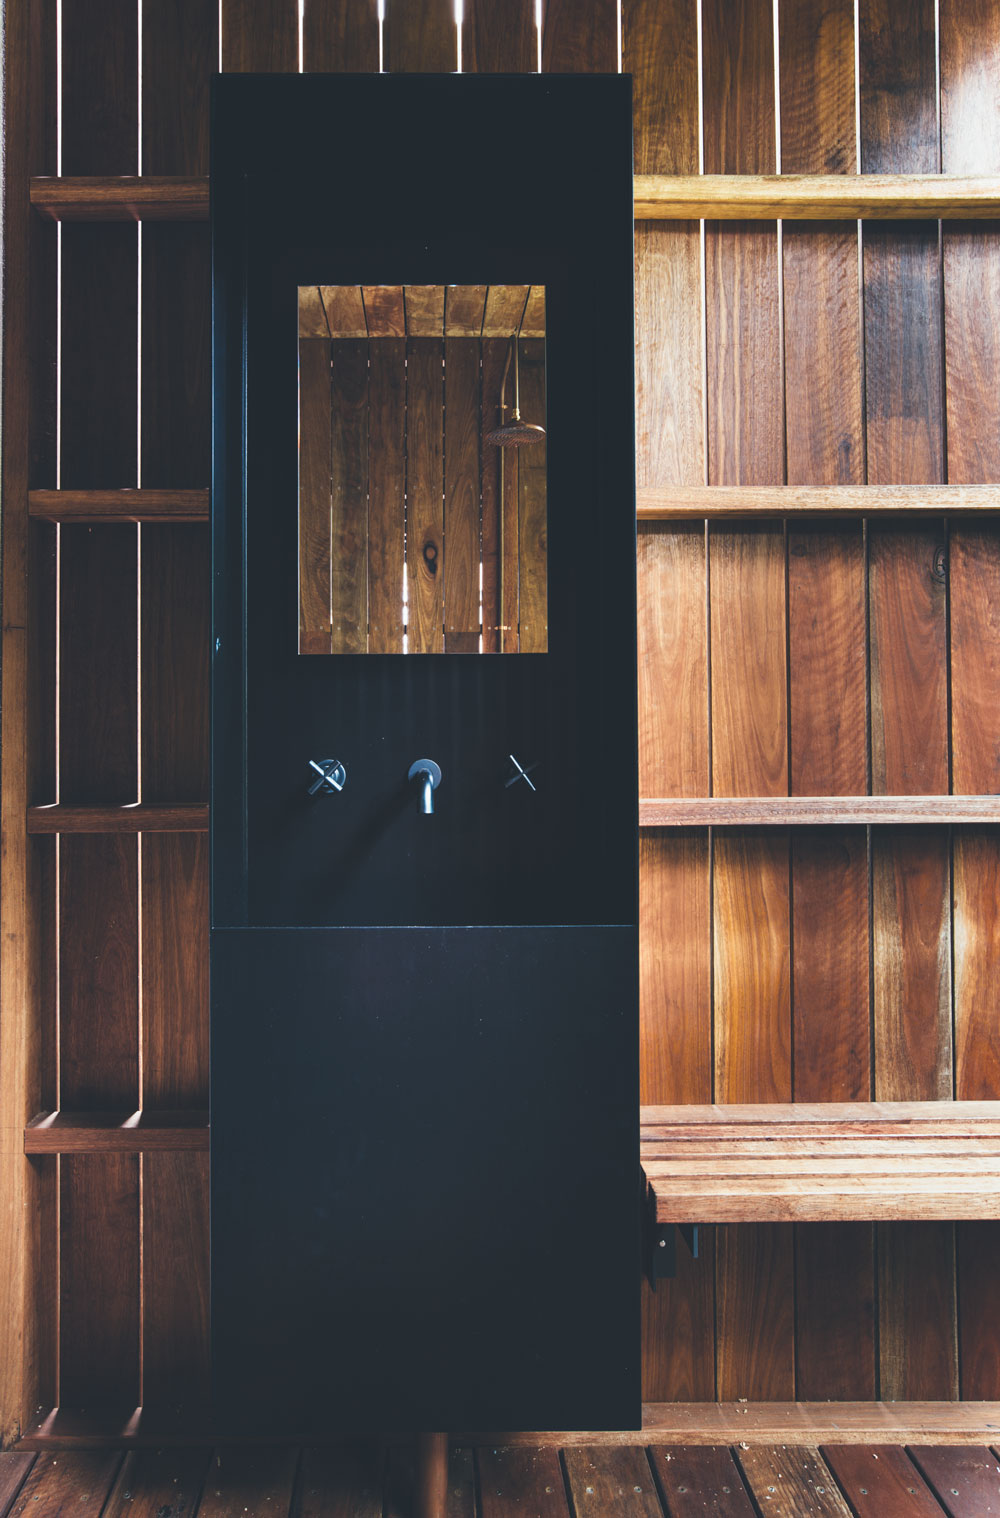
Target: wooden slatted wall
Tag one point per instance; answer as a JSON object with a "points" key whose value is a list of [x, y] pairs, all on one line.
{"points": [[774, 659]]}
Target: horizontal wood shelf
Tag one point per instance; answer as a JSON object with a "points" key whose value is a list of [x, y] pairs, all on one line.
{"points": [[101, 506], [116, 1132], [819, 1162], [814, 811], [814, 197], [153, 817], [124, 198], [665, 503], [808, 197], [684, 1423]]}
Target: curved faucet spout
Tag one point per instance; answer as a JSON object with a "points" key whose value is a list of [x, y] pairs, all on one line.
{"points": [[428, 774]]}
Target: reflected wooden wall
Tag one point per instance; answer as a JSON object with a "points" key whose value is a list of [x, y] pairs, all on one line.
{"points": [[773, 659]]}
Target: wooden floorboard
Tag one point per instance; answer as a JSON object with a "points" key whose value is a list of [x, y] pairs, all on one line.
{"points": [[774, 1468]]}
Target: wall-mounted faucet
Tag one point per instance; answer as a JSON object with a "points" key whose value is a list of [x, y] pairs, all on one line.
{"points": [[429, 775]]}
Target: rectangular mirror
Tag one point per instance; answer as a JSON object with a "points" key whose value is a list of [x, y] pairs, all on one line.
{"points": [[422, 469]]}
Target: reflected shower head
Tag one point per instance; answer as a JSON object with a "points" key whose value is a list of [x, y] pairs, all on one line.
{"points": [[515, 433]]}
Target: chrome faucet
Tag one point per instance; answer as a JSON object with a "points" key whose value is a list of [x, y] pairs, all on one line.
{"points": [[429, 775]]}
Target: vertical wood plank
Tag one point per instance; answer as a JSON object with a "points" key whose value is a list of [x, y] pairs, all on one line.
{"points": [[176, 595], [425, 493], [579, 37], [673, 661], [98, 370], [738, 61], [99, 973], [678, 1330], [260, 37], [174, 970], [823, 368], [974, 593], [386, 484], [176, 355], [745, 404], [660, 51], [799, 1474], [349, 486], [315, 500], [699, 1479], [816, 68], [499, 40], [976, 887], [180, 53], [100, 87], [605, 1482], [532, 512], [494, 355], [461, 503], [896, 47], [515, 1481], [175, 1231], [752, 953], [749, 703], [421, 37], [830, 966], [979, 1298], [912, 966], [918, 1348], [879, 1482], [99, 1263], [903, 358], [670, 444], [835, 1312], [755, 1319], [340, 36], [675, 969]]}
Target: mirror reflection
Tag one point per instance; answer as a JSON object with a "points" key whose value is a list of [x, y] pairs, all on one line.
{"points": [[422, 469]]}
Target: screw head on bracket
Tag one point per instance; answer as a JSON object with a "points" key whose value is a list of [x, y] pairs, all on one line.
{"points": [[332, 777]]}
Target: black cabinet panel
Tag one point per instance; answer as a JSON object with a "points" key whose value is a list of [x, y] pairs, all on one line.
{"points": [[424, 1178]]}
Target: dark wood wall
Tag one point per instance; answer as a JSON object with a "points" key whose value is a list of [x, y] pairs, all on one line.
{"points": [[776, 658]]}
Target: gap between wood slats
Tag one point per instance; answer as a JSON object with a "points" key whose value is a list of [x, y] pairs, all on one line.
{"points": [[804, 197]]}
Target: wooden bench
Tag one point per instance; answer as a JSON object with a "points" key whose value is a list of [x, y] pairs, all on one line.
{"points": [[820, 1162]]}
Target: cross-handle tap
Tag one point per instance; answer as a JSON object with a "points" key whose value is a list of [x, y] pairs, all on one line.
{"points": [[429, 775]]}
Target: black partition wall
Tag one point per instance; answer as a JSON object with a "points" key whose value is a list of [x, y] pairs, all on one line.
{"points": [[424, 904]]}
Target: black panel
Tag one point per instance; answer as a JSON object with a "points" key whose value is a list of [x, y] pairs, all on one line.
{"points": [[425, 1029], [448, 1121]]}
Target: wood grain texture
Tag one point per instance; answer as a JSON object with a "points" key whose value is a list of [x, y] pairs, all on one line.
{"points": [[800, 1480], [257, 1481], [611, 1483], [896, 50], [830, 991], [673, 662], [158, 1484], [14, 1470], [739, 196], [816, 70], [656, 503], [823, 363], [99, 973], [494, 352], [881, 1483], [963, 1480], [675, 1034], [827, 659], [532, 507], [180, 52], [979, 1298], [972, 348], [974, 607], [461, 501], [738, 62], [175, 1279], [660, 51], [749, 700], [835, 1311], [135, 1132], [97, 688], [100, 506], [420, 37], [580, 37], [350, 466], [175, 639], [755, 1328], [903, 357], [174, 970], [752, 963], [385, 310], [909, 705], [68, 1485], [316, 472], [496, 41], [516, 1481], [345, 1482], [695, 1480], [669, 385], [99, 1262], [918, 1348], [745, 403], [425, 422], [912, 968], [163, 817], [340, 36], [129, 197], [975, 884], [98, 368], [259, 37], [344, 310], [678, 1330], [100, 86], [176, 365], [386, 483]]}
